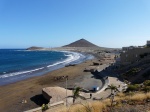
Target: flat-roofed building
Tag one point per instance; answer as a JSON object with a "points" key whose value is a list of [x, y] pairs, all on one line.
{"points": [[133, 55], [148, 43], [128, 48]]}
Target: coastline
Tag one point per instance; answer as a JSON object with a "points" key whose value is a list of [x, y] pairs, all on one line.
{"points": [[31, 89], [73, 58]]}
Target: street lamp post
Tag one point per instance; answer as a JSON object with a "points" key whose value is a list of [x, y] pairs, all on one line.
{"points": [[66, 91]]}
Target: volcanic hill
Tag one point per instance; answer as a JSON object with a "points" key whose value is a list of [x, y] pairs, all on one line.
{"points": [[81, 43]]}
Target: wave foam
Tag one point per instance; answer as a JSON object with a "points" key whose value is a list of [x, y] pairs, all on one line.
{"points": [[18, 73], [72, 56]]}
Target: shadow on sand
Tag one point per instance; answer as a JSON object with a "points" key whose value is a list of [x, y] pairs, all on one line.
{"points": [[105, 73], [39, 100]]}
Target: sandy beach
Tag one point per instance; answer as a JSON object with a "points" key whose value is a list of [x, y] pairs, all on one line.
{"points": [[31, 89]]}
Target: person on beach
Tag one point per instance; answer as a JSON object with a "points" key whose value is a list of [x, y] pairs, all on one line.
{"points": [[90, 95]]}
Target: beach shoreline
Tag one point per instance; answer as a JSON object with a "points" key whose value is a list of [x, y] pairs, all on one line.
{"points": [[28, 89], [73, 58], [31, 89]]}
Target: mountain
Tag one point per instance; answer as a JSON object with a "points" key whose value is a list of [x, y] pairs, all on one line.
{"points": [[81, 43]]}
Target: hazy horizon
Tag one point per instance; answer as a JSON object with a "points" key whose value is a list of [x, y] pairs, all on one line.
{"points": [[54, 23]]}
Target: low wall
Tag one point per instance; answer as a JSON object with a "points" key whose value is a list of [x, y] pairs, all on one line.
{"points": [[39, 109], [105, 82]]}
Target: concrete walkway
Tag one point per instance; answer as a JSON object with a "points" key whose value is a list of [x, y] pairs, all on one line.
{"points": [[110, 78], [95, 96]]}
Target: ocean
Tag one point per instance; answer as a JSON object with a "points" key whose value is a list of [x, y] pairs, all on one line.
{"points": [[20, 64]]}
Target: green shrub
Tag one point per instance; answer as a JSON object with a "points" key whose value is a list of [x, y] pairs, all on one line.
{"points": [[146, 89], [44, 107], [134, 87], [147, 83]]}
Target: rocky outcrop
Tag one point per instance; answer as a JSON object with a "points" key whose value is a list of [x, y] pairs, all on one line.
{"points": [[34, 48]]}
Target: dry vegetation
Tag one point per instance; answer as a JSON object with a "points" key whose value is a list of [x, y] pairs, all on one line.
{"points": [[104, 105]]}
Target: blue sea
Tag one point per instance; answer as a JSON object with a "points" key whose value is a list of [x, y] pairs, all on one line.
{"points": [[20, 64]]}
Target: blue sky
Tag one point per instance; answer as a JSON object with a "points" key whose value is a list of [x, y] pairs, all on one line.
{"points": [[52, 23]]}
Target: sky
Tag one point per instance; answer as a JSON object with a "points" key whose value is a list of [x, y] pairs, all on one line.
{"points": [[54, 23]]}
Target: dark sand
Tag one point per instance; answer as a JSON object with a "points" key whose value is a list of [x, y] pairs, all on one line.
{"points": [[11, 95]]}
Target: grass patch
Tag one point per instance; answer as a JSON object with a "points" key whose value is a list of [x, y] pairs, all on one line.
{"points": [[100, 106], [138, 97]]}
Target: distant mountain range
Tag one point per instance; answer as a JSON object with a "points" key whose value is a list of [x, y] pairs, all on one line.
{"points": [[81, 43]]}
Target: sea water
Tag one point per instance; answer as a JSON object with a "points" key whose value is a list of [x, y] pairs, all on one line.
{"points": [[20, 64]]}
